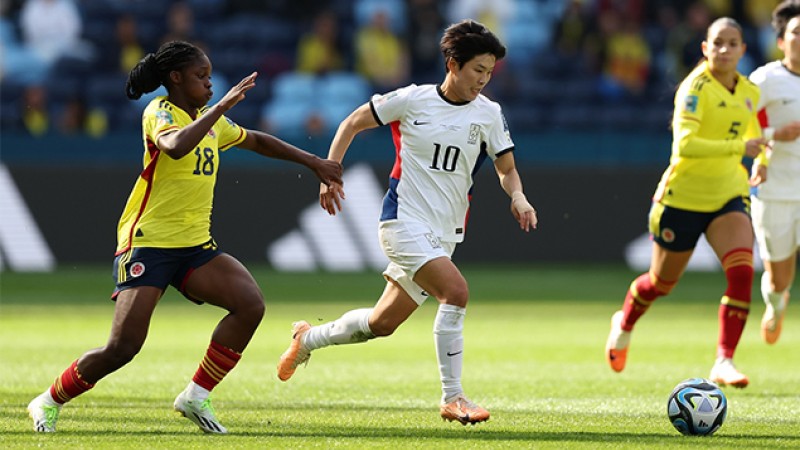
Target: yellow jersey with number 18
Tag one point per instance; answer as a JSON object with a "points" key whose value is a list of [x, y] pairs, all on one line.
{"points": [[170, 205], [709, 128]]}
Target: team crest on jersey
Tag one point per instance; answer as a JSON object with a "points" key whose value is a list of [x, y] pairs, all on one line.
{"points": [[137, 269], [212, 133], [164, 117], [433, 240], [690, 103], [749, 104], [474, 133]]}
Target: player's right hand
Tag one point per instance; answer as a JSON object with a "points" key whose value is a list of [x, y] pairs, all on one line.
{"points": [[330, 197], [753, 147], [237, 92]]}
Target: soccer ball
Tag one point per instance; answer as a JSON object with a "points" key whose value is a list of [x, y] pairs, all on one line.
{"points": [[697, 407]]}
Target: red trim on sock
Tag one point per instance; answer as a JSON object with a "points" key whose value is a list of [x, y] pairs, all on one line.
{"points": [[642, 293], [69, 385], [218, 361], [735, 305]]}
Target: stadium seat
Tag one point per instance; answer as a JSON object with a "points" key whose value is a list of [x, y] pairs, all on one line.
{"points": [[395, 9], [298, 87], [107, 87], [286, 116], [344, 87]]}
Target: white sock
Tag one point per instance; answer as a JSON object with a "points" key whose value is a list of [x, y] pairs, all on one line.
{"points": [[770, 297], [197, 392], [49, 400], [448, 335], [351, 328]]}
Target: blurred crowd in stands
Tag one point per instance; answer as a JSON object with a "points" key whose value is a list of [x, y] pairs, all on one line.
{"points": [[571, 64]]}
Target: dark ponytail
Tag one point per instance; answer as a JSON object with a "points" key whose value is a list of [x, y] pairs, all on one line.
{"points": [[154, 69]]}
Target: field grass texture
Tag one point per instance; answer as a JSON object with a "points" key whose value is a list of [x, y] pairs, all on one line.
{"points": [[534, 339]]}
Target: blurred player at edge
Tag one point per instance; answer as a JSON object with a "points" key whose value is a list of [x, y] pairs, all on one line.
{"points": [[776, 172], [164, 232], [442, 133], [703, 191]]}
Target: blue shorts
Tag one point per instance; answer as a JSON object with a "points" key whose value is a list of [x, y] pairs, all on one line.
{"points": [[679, 230], [161, 267]]}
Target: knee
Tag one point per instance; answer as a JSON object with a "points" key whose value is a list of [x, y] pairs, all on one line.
{"points": [[252, 309], [778, 283], [456, 295], [383, 327]]}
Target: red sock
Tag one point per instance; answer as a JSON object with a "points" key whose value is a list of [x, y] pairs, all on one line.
{"points": [[643, 292], [69, 385], [219, 360], [735, 304]]}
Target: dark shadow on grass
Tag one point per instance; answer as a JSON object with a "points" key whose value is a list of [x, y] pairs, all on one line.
{"points": [[432, 430]]}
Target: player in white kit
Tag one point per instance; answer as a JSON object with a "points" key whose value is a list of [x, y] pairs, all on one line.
{"points": [[442, 134], [776, 173]]}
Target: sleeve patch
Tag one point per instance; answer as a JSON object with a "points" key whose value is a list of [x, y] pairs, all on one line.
{"points": [[164, 117], [690, 103]]}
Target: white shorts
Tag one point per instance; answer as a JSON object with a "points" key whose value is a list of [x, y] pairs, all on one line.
{"points": [[409, 245], [777, 227]]}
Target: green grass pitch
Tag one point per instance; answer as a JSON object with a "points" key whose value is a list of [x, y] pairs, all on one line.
{"points": [[533, 356]]}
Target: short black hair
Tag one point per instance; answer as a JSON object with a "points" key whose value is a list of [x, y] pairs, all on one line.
{"points": [[782, 14], [153, 70], [464, 40]]}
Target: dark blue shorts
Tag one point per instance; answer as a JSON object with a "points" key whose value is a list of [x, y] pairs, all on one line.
{"points": [[161, 267], [679, 230]]}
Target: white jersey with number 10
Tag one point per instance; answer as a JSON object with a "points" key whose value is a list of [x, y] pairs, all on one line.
{"points": [[439, 145]]}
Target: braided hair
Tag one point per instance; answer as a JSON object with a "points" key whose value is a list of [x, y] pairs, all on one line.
{"points": [[154, 69], [464, 40]]}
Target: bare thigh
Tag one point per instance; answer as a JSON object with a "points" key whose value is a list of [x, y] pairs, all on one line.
{"points": [[730, 231], [226, 283]]}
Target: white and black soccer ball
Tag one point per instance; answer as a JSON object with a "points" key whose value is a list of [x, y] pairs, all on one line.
{"points": [[697, 407]]}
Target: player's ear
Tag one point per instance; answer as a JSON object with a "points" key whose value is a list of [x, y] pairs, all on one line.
{"points": [[452, 65], [175, 76]]}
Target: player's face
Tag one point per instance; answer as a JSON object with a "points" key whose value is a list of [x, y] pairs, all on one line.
{"points": [[196, 82], [472, 77], [723, 48], [789, 43]]}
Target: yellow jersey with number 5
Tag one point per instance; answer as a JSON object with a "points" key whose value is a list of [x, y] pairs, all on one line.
{"points": [[709, 128], [170, 205]]}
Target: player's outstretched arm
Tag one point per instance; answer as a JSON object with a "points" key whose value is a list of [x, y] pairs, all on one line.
{"points": [[264, 144]]}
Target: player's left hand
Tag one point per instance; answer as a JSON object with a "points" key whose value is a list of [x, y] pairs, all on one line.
{"points": [[523, 211], [758, 175]]}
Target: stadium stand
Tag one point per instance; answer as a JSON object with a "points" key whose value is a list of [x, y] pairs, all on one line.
{"points": [[542, 84]]}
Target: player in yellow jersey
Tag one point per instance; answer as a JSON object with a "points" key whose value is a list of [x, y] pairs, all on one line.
{"points": [[703, 191], [164, 237]]}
